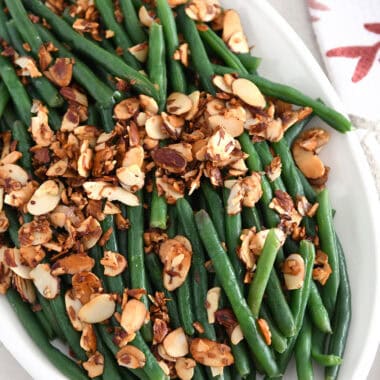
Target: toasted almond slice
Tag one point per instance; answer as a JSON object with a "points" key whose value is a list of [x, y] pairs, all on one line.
{"points": [[114, 193], [44, 281], [195, 98], [131, 357], [160, 330], [178, 103], [19, 197], [232, 125], [28, 67], [4, 222], [231, 24], [219, 82], [35, 233], [32, 255], [216, 371], [126, 108], [155, 128], [236, 335], [98, 309], [308, 162], [294, 271], [133, 316], [88, 338], [145, 18], [185, 368], [111, 209], [25, 289], [212, 303], [57, 169], [13, 172], [11, 158], [134, 156], [175, 343], [72, 264], [148, 104], [238, 43], [85, 285], [139, 51], [73, 305], [165, 368], [203, 10], [91, 231], [164, 355], [94, 189], [169, 159], [265, 331], [94, 365], [45, 198], [173, 124], [12, 258], [183, 148], [220, 146], [248, 92], [114, 263], [131, 178], [85, 159], [210, 353]]}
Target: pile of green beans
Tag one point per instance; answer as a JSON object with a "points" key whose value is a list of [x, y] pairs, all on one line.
{"points": [[311, 322]]}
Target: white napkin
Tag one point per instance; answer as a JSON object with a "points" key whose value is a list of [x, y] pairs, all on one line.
{"points": [[348, 34]]}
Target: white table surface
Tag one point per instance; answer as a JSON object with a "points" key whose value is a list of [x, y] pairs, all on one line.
{"points": [[296, 13]]}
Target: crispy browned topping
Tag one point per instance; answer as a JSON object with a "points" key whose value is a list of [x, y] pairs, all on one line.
{"points": [[210, 353], [322, 269], [294, 271], [265, 331]]}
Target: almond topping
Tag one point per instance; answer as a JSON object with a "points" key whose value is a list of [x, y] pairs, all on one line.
{"points": [[90, 231], [178, 103], [169, 159], [98, 309], [88, 338], [134, 156], [13, 259], [185, 368], [133, 316], [94, 365], [126, 109], [231, 125], [212, 303], [114, 193], [44, 281], [114, 263], [57, 169], [131, 357], [45, 198], [203, 10], [265, 331], [73, 264], [148, 104], [175, 343], [73, 306], [294, 271], [210, 353], [145, 18], [25, 288], [140, 51], [154, 127], [248, 93], [61, 72], [131, 178], [13, 172], [85, 285]]}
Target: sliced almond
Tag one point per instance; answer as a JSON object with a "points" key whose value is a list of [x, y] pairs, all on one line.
{"points": [[72, 264], [185, 368], [12, 258], [126, 108], [221, 84], [164, 355], [169, 159], [32, 255], [195, 98], [212, 303], [85, 160], [45, 198], [175, 343], [4, 222], [183, 148], [11, 158], [238, 43], [220, 146], [114, 193], [145, 18], [61, 72], [88, 338], [231, 24], [35, 233], [134, 156], [216, 371], [248, 92], [98, 309], [265, 331], [294, 271], [131, 357], [160, 330], [114, 263], [236, 335], [148, 104], [155, 128], [85, 285], [91, 231], [94, 365], [131, 178], [21, 196], [165, 368], [210, 353], [173, 124], [140, 51], [178, 103], [133, 316], [94, 189], [25, 288], [57, 169], [73, 305], [13, 172], [28, 67], [308, 162], [203, 10], [44, 281], [233, 126]]}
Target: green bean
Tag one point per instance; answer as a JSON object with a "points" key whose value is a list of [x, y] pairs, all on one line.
{"points": [[176, 73], [242, 359], [291, 95], [251, 218], [132, 23], [137, 272], [310, 193], [114, 64], [342, 317], [279, 342], [317, 347], [72, 337], [292, 133], [157, 62], [262, 273], [155, 270], [14, 224], [185, 302], [49, 94], [227, 278], [115, 284], [250, 62], [221, 50], [81, 72], [16, 90], [214, 208], [199, 56], [158, 211], [34, 330], [198, 271], [328, 245], [45, 323], [24, 143], [3, 20], [172, 222], [317, 310], [233, 231], [4, 98], [122, 242], [106, 10], [302, 352]]}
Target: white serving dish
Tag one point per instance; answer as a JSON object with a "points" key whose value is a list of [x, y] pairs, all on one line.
{"points": [[287, 60]]}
